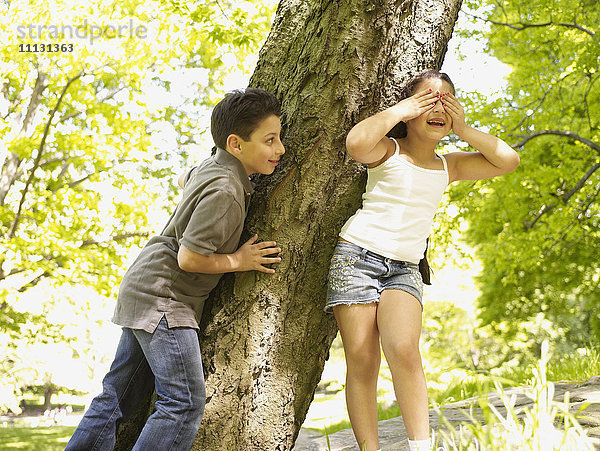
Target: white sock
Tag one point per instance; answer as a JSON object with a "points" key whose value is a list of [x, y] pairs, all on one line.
{"points": [[419, 445]]}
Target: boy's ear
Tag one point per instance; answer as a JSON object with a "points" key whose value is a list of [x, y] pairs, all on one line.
{"points": [[234, 144]]}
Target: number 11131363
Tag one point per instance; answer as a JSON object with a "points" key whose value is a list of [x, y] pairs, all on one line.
{"points": [[48, 48]]}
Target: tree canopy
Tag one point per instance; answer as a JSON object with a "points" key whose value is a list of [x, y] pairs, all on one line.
{"points": [[94, 130], [536, 230]]}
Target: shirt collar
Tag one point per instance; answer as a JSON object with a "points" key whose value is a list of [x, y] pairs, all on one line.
{"points": [[226, 159]]}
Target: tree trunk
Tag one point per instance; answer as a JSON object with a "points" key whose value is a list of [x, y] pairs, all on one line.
{"points": [[48, 392], [264, 337]]}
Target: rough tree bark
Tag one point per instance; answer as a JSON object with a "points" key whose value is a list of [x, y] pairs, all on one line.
{"points": [[265, 338]]}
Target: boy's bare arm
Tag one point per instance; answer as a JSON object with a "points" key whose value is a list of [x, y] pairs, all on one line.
{"points": [[181, 179], [248, 257]]}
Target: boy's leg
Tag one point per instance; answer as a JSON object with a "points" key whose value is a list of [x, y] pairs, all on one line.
{"points": [[128, 380], [399, 320], [358, 328], [174, 356]]}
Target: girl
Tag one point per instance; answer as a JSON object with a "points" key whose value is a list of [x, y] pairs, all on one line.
{"points": [[375, 287]]}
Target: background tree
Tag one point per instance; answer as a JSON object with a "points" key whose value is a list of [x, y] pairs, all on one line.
{"points": [[537, 230], [265, 339], [91, 139]]}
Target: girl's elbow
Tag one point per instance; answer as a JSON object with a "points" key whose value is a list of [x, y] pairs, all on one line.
{"points": [[515, 161], [352, 145], [356, 150]]}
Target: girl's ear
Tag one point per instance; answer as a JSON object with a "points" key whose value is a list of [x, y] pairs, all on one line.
{"points": [[234, 144]]}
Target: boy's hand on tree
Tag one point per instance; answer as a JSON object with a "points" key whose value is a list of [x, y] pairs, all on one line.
{"points": [[252, 257], [455, 110], [417, 104]]}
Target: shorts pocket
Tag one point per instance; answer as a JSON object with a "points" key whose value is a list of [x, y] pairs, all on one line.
{"points": [[340, 271], [416, 279]]}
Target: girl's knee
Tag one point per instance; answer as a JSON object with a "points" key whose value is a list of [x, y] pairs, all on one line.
{"points": [[404, 354], [363, 361]]}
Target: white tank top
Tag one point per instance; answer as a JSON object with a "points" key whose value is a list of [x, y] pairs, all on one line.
{"points": [[397, 210]]}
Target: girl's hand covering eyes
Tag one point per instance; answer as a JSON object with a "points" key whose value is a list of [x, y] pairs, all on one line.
{"points": [[417, 104], [455, 110]]}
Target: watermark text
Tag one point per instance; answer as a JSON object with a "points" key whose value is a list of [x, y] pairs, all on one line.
{"points": [[83, 31]]}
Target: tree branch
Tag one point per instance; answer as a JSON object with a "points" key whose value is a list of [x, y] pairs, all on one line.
{"points": [[77, 113], [34, 282], [12, 272], [13, 107], [36, 97], [545, 209], [565, 133], [74, 183], [10, 173], [38, 158], [541, 101], [591, 199], [564, 198], [85, 243], [580, 183], [522, 26], [585, 98]]}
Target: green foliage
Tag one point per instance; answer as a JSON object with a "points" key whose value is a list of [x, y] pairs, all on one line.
{"points": [[579, 366], [457, 344], [92, 139], [383, 413], [537, 230]]}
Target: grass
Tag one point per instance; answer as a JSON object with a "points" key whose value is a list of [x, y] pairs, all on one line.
{"points": [[544, 425], [35, 439]]}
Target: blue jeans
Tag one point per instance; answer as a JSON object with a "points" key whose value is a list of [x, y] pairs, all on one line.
{"points": [[168, 358]]}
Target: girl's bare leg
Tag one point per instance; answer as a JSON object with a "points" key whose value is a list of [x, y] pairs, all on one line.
{"points": [[399, 321], [358, 328]]}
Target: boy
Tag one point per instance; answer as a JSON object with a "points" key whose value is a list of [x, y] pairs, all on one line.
{"points": [[161, 297]]}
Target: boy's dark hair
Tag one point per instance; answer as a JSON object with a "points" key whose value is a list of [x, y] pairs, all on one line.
{"points": [[240, 112], [399, 130]]}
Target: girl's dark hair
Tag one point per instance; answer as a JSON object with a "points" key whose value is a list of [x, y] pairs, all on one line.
{"points": [[240, 112], [399, 130]]}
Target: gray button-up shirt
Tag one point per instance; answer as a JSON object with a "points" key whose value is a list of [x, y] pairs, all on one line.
{"points": [[209, 219]]}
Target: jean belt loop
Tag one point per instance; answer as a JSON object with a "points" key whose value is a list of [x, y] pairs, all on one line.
{"points": [[363, 253]]}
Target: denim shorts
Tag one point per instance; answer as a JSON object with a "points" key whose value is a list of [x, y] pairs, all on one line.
{"points": [[359, 276]]}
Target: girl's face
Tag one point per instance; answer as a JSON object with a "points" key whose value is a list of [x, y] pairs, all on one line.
{"points": [[435, 123]]}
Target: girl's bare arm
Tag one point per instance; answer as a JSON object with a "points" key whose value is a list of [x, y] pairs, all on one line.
{"points": [[366, 142], [493, 157]]}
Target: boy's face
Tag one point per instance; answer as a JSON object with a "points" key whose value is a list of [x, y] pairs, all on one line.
{"points": [[263, 149]]}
